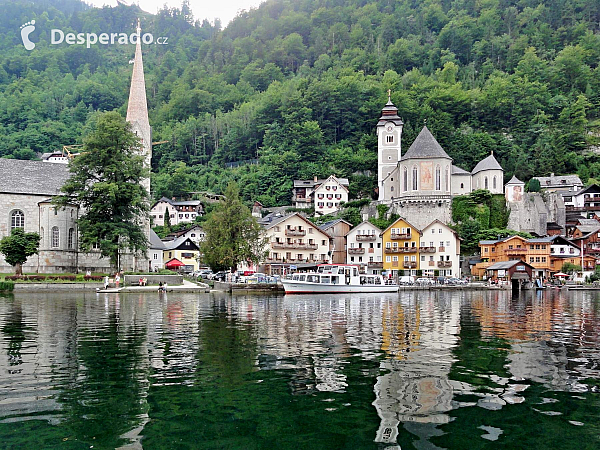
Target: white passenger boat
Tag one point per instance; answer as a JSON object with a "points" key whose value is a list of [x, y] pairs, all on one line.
{"points": [[336, 278]]}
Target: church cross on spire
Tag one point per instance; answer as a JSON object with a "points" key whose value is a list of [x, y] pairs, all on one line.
{"points": [[389, 95]]}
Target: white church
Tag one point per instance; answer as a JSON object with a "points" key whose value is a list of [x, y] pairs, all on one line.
{"points": [[425, 173], [27, 188]]}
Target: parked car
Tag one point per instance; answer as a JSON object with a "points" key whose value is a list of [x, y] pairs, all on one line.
{"points": [[205, 274], [220, 276], [424, 281], [455, 281], [406, 280]]}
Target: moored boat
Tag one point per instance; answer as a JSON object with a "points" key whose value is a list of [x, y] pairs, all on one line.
{"points": [[336, 278]]}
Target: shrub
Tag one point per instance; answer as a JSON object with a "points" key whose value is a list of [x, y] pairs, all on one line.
{"points": [[7, 285]]}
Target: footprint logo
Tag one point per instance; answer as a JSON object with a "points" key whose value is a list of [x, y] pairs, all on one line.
{"points": [[26, 30]]}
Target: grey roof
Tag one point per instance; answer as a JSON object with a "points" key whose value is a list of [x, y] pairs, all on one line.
{"points": [[155, 242], [559, 180], [458, 171], [425, 146], [488, 163], [312, 183], [331, 223], [489, 242], [179, 203], [542, 240], [592, 222], [515, 180], [171, 245], [506, 264], [32, 177]]}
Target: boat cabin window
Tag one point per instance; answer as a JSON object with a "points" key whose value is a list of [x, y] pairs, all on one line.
{"points": [[302, 277], [325, 280], [355, 271], [312, 278]]}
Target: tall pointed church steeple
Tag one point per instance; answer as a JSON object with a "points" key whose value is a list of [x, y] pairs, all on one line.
{"points": [[137, 108]]}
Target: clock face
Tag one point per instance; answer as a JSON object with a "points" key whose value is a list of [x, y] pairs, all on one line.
{"points": [[389, 127]]}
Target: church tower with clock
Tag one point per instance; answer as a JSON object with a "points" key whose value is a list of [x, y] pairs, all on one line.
{"points": [[389, 135]]}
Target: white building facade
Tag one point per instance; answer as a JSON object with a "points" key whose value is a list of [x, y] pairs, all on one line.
{"points": [[294, 240], [364, 247], [439, 249]]}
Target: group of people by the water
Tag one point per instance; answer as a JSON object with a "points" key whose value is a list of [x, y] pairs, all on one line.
{"points": [[117, 281], [162, 287]]}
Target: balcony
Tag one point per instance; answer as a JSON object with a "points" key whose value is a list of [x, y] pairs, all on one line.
{"points": [[401, 250], [273, 260], [442, 249], [403, 236], [301, 246], [356, 251], [365, 237], [294, 232], [444, 263], [409, 264], [516, 251], [431, 263], [426, 249], [301, 199], [375, 264]]}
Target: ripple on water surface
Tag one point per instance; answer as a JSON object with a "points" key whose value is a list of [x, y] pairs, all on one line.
{"points": [[413, 370]]}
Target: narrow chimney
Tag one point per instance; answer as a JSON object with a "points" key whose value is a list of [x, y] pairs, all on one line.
{"points": [[315, 178]]}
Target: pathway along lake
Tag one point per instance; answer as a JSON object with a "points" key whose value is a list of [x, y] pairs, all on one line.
{"points": [[411, 370]]}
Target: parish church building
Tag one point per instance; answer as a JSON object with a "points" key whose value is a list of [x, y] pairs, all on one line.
{"points": [[27, 189], [425, 173]]}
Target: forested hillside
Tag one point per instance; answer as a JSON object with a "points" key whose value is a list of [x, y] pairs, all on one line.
{"points": [[299, 85]]}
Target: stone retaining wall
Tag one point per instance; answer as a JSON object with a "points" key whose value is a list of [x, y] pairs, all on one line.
{"points": [[153, 280], [37, 287]]}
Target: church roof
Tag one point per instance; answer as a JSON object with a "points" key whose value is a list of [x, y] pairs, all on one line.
{"points": [[488, 163], [32, 177], [515, 180], [389, 113], [425, 146], [137, 108], [458, 171]]}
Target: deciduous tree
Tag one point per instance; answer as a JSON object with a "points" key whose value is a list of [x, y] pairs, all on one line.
{"points": [[19, 246], [106, 184]]}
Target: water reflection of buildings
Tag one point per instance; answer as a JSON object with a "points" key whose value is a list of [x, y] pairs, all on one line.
{"points": [[418, 338], [553, 338]]}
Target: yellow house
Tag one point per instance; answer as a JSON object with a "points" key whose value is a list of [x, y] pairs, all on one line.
{"points": [[182, 254], [401, 248]]}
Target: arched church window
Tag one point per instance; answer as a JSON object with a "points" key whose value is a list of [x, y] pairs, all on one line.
{"points": [[405, 179], [462, 185], [415, 174], [485, 183], [447, 178], [494, 182], [71, 238], [55, 237], [17, 219], [438, 178]]}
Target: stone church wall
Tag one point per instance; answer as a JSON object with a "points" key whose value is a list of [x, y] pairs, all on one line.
{"points": [[421, 214]]}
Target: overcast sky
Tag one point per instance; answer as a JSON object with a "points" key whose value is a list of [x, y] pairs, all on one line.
{"points": [[203, 9]]}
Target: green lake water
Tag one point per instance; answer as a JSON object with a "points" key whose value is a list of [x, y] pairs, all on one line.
{"points": [[424, 370]]}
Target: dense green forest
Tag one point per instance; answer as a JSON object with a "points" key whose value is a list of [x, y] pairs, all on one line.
{"points": [[299, 85]]}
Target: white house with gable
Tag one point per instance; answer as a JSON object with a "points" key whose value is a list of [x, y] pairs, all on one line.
{"points": [[329, 195], [364, 247], [439, 249]]}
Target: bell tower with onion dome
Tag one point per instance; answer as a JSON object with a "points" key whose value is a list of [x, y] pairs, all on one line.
{"points": [[389, 137]]}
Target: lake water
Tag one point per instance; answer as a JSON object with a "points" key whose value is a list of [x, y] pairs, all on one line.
{"points": [[417, 370]]}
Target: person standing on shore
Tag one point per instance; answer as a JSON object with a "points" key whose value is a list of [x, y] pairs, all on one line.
{"points": [[117, 279], [106, 283]]}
